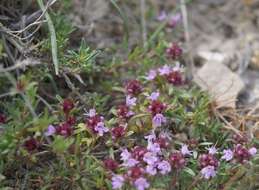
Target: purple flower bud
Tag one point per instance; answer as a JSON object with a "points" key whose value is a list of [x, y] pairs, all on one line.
{"points": [[208, 172], [117, 181], [228, 155], [141, 184], [151, 75], [153, 96], [101, 129], [252, 151], [150, 158], [158, 120], [212, 150], [164, 167], [50, 131], [151, 170], [185, 150], [130, 101], [162, 16], [165, 70]]}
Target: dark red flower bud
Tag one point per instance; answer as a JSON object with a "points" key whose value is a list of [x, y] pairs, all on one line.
{"points": [[135, 172], [240, 139], [71, 120], [118, 132], [64, 129], [68, 105], [138, 152], [163, 142], [133, 87], [175, 78], [156, 107], [177, 160], [31, 144], [2, 119], [208, 160], [91, 122], [174, 51], [123, 111], [110, 164], [241, 154]]}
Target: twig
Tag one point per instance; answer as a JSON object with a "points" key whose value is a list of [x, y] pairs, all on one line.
{"points": [[187, 37], [228, 125], [21, 64]]}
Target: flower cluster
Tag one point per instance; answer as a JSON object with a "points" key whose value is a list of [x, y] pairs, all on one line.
{"points": [[173, 75], [95, 123], [143, 162]]}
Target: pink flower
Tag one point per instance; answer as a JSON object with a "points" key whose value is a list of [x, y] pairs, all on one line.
{"points": [[208, 172], [151, 75], [50, 131], [158, 120], [212, 150], [117, 181], [141, 184], [153, 147], [153, 96], [185, 150], [101, 129], [150, 158], [130, 162], [150, 137], [91, 113], [125, 155], [252, 151], [151, 169], [164, 167], [130, 101], [165, 70], [228, 155], [162, 16], [174, 20]]}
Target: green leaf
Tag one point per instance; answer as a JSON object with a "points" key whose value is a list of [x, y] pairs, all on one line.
{"points": [[61, 144], [189, 171]]}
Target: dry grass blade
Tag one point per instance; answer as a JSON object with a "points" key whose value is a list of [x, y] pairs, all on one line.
{"points": [[52, 36]]}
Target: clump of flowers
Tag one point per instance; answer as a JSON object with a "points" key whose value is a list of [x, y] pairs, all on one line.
{"points": [[95, 123]]}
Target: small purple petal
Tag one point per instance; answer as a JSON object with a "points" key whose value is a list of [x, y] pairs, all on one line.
{"points": [[208, 172], [252, 151], [151, 75], [185, 150], [117, 181], [50, 131], [153, 96], [158, 120], [141, 184], [228, 155]]}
